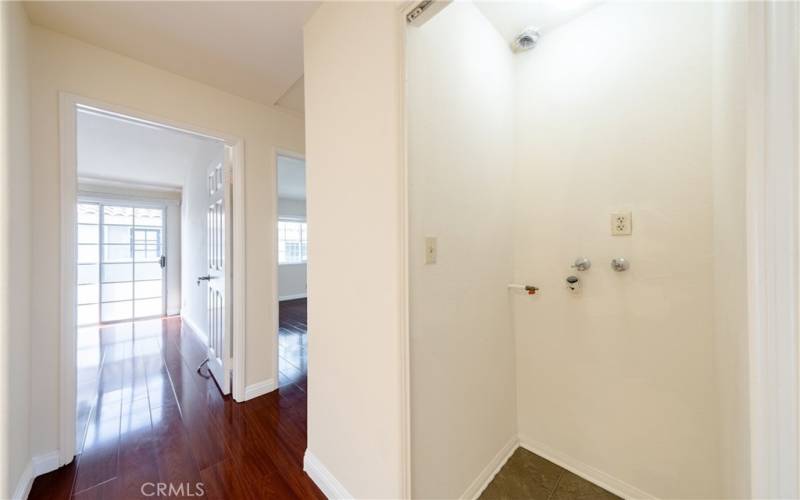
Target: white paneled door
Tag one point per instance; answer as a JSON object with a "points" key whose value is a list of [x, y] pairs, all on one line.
{"points": [[121, 262], [218, 256]]}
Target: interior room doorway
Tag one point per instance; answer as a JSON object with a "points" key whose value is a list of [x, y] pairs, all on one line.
{"points": [[292, 263], [148, 225]]}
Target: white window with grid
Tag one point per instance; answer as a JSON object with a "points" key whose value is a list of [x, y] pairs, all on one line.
{"points": [[292, 242], [120, 264]]}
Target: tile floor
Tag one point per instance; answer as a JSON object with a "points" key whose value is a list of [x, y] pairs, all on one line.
{"points": [[529, 476]]}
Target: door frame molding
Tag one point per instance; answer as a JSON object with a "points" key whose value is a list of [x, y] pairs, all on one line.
{"points": [[68, 105], [276, 152], [773, 131]]}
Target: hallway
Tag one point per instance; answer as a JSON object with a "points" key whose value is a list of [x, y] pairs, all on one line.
{"points": [[156, 420]]}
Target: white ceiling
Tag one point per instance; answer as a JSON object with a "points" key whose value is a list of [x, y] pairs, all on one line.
{"points": [[510, 18], [291, 178], [251, 49], [115, 149]]}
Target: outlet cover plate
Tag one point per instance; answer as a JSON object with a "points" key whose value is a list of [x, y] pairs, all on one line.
{"points": [[621, 224]]}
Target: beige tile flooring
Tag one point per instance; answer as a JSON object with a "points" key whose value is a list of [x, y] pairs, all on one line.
{"points": [[529, 476]]}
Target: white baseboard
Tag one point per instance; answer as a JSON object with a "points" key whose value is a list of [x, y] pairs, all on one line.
{"points": [[201, 334], [292, 297], [173, 312], [480, 483], [24, 484], [44, 463], [40, 464], [259, 389], [596, 476], [323, 478]]}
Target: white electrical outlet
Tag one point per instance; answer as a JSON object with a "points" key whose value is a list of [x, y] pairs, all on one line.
{"points": [[430, 250], [621, 224]]}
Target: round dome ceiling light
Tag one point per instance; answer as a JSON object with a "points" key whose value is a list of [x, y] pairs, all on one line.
{"points": [[526, 40]]}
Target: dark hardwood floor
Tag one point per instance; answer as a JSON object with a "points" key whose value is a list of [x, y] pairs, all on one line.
{"points": [[147, 417], [292, 368]]}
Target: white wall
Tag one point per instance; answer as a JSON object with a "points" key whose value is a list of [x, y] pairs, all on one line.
{"points": [[61, 63], [15, 248], [294, 209], [614, 113], [195, 257], [354, 132], [292, 279], [172, 202], [461, 147], [728, 101], [174, 259], [640, 380]]}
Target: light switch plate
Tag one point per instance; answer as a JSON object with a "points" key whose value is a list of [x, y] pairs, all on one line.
{"points": [[430, 250], [621, 224]]}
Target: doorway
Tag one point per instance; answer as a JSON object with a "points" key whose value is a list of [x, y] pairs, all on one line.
{"points": [[150, 239], [292, 270], [538, 218]]}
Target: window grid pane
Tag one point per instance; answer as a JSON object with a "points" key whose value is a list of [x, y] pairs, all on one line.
{"points": [[292, 242], [88, 213], [118, 253]]}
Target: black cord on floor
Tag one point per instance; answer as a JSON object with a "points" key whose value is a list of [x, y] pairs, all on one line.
{"points": [[200, 369]]}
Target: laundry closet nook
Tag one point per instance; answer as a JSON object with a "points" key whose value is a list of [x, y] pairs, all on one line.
{"points": [[576, 256]]}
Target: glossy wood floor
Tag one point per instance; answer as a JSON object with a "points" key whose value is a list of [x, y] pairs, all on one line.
{"points": [[292, 367], [148, 417]]}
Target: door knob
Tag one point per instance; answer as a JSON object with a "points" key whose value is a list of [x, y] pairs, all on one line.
{"points": [[620, 264], [203, 278]]}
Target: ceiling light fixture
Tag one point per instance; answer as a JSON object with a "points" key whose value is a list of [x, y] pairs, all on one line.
{"points": [[526, 40]]}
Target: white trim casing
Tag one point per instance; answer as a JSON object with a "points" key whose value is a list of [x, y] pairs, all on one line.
{"points": [[587, 472], [68, 104], [772, 249], [404, 308], [322, 477], [194, 327], [24, 484], [40, 464], [292, 218], [259, 389], [47, 462], [137, 201], [239, 294], [94, 181], [68, 295], [488, 473], [292, 297]]}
